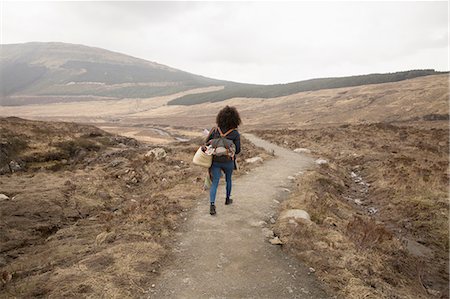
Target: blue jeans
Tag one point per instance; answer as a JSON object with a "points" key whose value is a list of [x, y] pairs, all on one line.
{"points": [[216, 169]]}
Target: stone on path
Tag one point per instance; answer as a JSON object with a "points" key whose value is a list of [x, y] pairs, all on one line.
{"points": [[254, 160], [302, 150], [276, 241]]}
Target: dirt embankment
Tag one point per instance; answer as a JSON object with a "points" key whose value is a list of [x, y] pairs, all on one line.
{"points": [[379, 208], [87, 213]]}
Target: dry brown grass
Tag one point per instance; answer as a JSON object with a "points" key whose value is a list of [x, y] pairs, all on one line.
{"points": [[403, 100], [102, 224], [402, 250]]}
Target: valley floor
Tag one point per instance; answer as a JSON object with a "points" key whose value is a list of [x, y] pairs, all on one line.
{"points": [[89, 214]]}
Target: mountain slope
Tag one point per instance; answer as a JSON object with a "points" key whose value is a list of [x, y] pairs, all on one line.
{"points": [[58, 69], [36, 73]]}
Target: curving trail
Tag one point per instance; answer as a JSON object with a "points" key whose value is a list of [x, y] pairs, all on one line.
{"points": [[227, 255]]}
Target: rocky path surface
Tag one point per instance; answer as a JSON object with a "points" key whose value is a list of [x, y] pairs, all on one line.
{"points": [[227, 255]]}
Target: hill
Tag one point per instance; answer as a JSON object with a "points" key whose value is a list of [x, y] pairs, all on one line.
{"points": [[38, 73], [58, 72], [423, 98], [234, 90]]}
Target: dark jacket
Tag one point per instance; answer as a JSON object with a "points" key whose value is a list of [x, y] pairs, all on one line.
{"points": [[233, 135]]}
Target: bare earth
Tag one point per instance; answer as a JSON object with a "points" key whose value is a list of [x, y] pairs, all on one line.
{"points": [[227, 255]]}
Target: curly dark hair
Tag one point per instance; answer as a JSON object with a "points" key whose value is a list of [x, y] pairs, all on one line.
{"points": [[228, 118]]}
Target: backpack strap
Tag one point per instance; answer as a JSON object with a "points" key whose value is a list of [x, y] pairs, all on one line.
{"points": [[228, 132], [210, 133]]}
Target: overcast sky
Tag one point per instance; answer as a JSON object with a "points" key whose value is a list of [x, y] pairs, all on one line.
{"points": [[253, 42]]}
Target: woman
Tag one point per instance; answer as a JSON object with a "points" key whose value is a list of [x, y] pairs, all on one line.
{"points": [[228, 119]]}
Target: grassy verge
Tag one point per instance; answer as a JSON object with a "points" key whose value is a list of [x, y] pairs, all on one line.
{"points": [[379, 208]]}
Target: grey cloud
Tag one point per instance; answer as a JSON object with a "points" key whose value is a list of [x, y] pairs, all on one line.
{"points": [[260, 42]]}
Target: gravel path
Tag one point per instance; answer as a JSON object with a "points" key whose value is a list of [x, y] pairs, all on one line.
{"points": [[227, 255]]}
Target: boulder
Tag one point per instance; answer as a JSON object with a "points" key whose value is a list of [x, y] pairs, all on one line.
{"points": [[295, 214], [14, 166], [321, 161], [156, 153], [302, 150], [254, 160]]}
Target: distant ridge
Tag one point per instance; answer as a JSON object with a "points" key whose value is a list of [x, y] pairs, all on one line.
{"points": [[277, 90], [37, 73]]}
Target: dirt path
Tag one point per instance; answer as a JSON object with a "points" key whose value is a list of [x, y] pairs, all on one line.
{"points": [[227, 255]]}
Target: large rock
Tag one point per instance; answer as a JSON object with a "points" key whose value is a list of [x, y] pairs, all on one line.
{"points": [[302, 150], [254, 160], [3, 197], [321, 161], [14, 166], [156, 153], [295, 214]]}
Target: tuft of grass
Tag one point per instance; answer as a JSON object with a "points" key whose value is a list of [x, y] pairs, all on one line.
{"points": [[72, 147], [11, 147], [426, 211]]}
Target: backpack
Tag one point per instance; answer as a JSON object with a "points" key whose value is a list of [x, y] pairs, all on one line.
{"points": [[222, 146]]}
